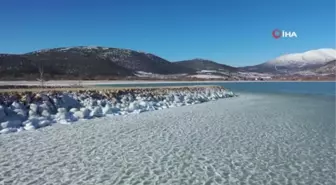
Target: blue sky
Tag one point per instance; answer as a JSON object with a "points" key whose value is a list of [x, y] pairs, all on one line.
{"points": [[233, 32]]}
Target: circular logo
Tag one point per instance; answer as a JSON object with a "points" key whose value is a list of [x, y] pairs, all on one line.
{"points": [[276, 33]]}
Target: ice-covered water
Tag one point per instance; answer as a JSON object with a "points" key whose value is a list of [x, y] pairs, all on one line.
{"points": [[252, 139]]}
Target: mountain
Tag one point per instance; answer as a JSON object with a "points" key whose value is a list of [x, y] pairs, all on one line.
{"points": [[290, 63], [85, 62], [202, 64], [129, 59], [59, 65], [94, 62], [328, 68]]}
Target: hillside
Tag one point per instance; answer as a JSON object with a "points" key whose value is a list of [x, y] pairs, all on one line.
{"points": [[58, 65], [202, 64], [128, 59], [16, 66], [328, 68]]}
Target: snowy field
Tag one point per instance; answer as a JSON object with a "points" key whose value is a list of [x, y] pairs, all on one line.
{"points": [[250, 139]]}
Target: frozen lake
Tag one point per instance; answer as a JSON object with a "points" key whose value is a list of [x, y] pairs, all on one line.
{"points": [[269, 138]]}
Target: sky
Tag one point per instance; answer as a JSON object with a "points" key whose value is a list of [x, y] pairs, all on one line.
{"points": [[233, 32]]}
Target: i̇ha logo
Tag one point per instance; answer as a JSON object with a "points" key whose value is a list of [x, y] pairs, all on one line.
{"points": [[277, 33]]}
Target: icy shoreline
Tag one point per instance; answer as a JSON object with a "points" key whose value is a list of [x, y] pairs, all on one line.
{"points": [[29, 111]]}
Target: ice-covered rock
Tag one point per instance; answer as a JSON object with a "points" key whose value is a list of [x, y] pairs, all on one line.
{"points": [[2, 113], [49, 106], [143, 103], [17, 105], [137, 111], [110, 109], [21, 114], [33, 107], [83, 113], [36, 122], [8, 130], [97, 112], [61, 110], [62, 114], [86, 112], [69, 102], [29, 126], [11, 124], [45, 113], [44, 123], [101, 103], [133, 106], [124, 99], [73, 110], [177, 98]]}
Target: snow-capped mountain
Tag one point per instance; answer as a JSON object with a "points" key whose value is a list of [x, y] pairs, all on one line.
{"points": [[295, 62], [312, 57]]}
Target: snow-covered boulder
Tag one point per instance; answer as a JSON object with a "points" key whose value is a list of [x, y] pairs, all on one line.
{"points": [[68, 102], [20, 114], [36, 122], [30, 126], [86, 112], [133, 106], [101, 103], [2, 114], [62, 114], [83, 113], [44, 123], [11, 124], [8, 130], [143, 104], [45, 113], [16, 105], [110, 109], [97, 112], [118, 105], [33, 107], [49, 106], [124, 99], [73, 110]]}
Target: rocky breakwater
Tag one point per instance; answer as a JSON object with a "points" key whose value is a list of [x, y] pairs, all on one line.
{"points": [[26, 110]]}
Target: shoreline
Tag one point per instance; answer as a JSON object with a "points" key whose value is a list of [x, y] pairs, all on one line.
{"points": [[96, 88], [126, 82], [30, 110]]}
